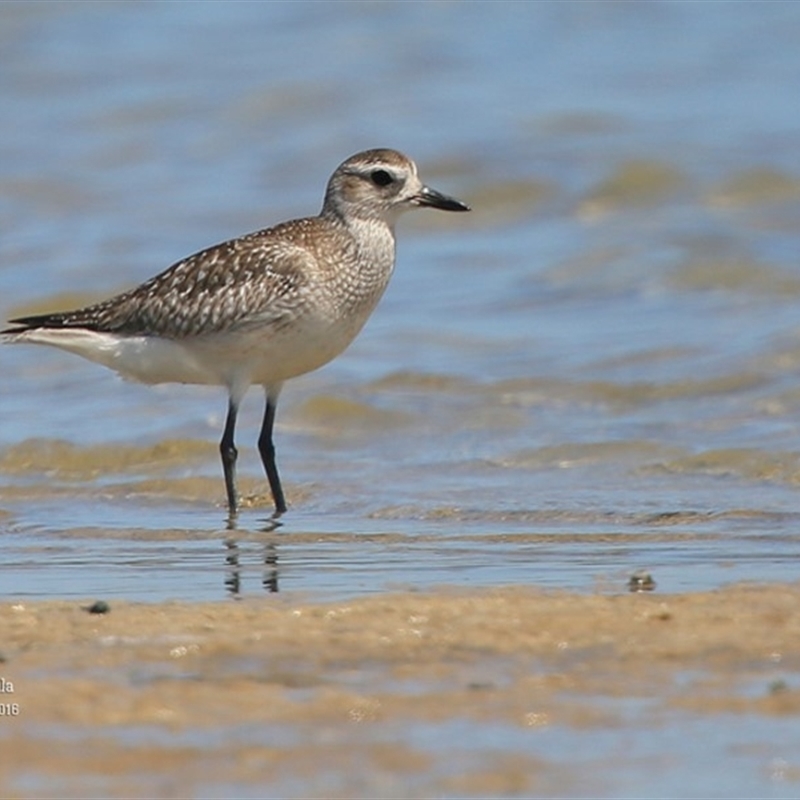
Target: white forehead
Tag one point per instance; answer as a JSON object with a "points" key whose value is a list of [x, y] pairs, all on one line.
{"points": [[391, 160]]}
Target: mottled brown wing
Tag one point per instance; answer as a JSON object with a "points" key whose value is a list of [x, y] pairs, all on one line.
{"points": [[233, 284]]}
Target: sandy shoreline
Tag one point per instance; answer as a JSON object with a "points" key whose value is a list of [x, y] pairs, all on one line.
{"points": [[302, 699]]}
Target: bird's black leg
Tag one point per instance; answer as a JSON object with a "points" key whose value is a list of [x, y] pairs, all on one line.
{"points": [[229, 453], [267, 450]]}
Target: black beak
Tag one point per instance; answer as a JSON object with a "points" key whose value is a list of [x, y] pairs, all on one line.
{"points": [[434, 199]]}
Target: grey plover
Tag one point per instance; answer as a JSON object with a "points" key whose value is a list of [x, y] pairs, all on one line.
{"points": [[260, 309]]}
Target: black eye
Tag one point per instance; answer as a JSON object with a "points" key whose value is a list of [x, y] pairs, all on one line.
{"points": [[380, 177]]}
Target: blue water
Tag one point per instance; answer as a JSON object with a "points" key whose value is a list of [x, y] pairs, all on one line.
{"points": [[581, 378], [575, 347]]}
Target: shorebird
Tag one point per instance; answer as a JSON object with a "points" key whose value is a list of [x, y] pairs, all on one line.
{"points": [[259, 309]]}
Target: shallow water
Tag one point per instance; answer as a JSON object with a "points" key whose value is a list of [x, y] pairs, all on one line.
{"points": [[595, 371], [609, 340]]}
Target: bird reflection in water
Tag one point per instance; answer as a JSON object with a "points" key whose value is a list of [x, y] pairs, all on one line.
{"points": [[233, 567]]}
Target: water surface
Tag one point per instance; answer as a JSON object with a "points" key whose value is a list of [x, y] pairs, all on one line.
{"points": [[596, 371]]}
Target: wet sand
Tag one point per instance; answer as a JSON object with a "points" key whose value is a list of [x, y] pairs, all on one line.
{"points": [[393, 695], [596, 373]]}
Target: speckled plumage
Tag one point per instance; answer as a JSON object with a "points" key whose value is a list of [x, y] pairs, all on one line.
{"points": [[262, 308]]}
